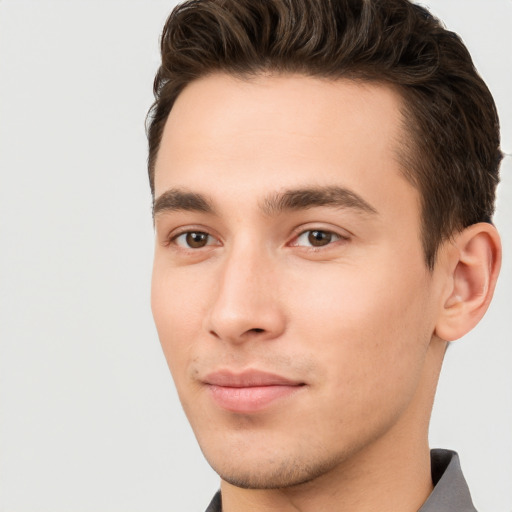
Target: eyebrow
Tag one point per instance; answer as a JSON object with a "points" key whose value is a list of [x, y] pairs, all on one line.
{"points": [[304, 198], [179, 200], [294, 199]]}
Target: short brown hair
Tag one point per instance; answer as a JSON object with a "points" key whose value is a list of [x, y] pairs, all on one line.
{"points": [[452, 155]]}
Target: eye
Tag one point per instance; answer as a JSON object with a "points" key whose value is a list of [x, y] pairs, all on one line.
{"points": [[316, 238], [194, 240]]}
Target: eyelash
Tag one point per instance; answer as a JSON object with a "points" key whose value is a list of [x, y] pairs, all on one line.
{"points": [[308, 233], [173, 239]]}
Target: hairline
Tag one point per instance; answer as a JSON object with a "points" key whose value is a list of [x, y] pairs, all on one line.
{"points": [[406, 151]]}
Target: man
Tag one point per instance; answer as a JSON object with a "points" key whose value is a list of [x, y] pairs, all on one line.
{"points": [[323, 175]]}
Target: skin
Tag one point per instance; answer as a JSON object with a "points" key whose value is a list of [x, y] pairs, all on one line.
{"points": [[356, 319]]}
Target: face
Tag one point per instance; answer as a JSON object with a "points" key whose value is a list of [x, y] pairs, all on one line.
{"points": [[289, 289]]}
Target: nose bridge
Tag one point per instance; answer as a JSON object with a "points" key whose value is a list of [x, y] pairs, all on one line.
{"points": [[246, 303]]}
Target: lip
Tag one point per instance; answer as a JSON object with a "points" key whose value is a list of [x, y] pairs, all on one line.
{"points": [[250, 391]]}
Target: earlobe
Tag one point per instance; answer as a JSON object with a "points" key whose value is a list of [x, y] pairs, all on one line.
{"points": [[474, 267]]}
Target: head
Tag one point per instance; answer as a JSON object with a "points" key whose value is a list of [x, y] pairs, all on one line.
{"points": [[323, 176]]}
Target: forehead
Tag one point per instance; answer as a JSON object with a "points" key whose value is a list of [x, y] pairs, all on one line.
{"points": [[248, 136]]}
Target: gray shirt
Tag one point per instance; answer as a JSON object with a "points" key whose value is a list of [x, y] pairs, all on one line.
{"points": [[450, 494]]}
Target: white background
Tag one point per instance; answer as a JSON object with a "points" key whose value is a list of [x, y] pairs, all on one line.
{"points": [[89, 420]]}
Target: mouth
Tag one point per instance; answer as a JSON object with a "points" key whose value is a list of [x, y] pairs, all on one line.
{"points": [[250, 391]]}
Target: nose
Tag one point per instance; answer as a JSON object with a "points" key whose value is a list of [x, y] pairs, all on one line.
{"points": [[246, 305]]}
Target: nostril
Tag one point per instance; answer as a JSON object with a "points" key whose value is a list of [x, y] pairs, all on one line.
{"points": [[257, 329]]}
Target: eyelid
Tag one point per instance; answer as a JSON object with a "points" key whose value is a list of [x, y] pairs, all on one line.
{"points": [[334, 238], [172, 235], [210, 240], [343, 234]]}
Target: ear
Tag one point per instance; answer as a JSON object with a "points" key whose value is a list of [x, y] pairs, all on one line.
{"points": [[473, 260]]}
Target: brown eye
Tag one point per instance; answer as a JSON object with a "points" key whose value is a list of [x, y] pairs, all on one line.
{"points": [[316, 238], [196, 240], [193, 240], [319, 238]]}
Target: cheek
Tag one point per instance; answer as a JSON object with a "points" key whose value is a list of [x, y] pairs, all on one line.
{"points": [[368, 330], [177, 313]]}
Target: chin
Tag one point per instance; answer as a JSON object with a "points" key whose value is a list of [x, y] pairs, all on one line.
{"points": [[290, 475], [271, 472]]}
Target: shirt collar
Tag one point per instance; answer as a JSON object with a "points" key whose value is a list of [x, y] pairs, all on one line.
{"points": [[450, 488]]}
